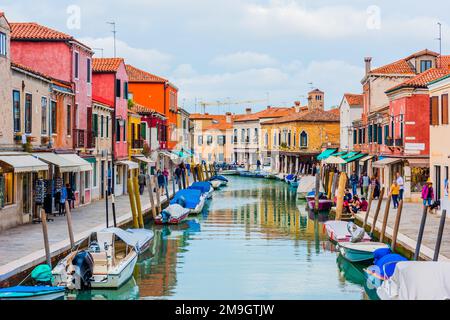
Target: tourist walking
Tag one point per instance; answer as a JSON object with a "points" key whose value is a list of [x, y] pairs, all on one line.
{"points": [[141, 182], [258, 164], [354, 180], [365, 185], [395, 190], [161, 181], [62, 201], [401, 184], [70, 196], [428, 193], [375, 187], [178, 172]]}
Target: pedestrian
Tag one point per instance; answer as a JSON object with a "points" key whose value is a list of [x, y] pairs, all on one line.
{"points": [[258, 164], [141, 182], [375, 187], [365, 185], [354, 181], [178, 172], [70, 196], [395, 191], [401, 184], [428, 193], [161, 181], [62, 201]]}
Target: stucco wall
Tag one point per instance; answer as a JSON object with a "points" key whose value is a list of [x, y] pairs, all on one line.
{"points": [[6, 124]]}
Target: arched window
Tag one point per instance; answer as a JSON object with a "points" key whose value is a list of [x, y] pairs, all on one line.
{"points": [[303, 140]]}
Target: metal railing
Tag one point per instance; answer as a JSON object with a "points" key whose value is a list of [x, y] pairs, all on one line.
{"points": [[79, 138], [137, 144]]}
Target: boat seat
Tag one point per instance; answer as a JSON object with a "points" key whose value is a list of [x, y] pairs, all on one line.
{"points": [[100, 263]]}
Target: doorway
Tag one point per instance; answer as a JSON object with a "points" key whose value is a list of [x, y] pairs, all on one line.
{"points": [[102, 179], [437, 171]]}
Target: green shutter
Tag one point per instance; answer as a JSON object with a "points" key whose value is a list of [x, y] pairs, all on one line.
{"points": [[95, 124], [144, 131]]}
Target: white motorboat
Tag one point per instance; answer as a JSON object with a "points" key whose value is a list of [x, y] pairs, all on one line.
{"points": [[216, 184], [360, 251], [338, 232], [107, 263], [173, 214], [144, 238]]}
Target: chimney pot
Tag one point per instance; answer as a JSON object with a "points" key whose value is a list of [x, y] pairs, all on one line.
{"points": [[297, 103], [248, 110], [368, 62]]}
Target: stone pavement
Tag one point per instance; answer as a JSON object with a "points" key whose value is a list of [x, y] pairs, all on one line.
{"points": [[23, 247], [409, 228]]}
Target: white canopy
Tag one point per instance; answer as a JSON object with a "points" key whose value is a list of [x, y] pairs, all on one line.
{"points": [[143, 159], [80, 162], [64, 165], [24, 163], [334, 160], [385, 162], [131, 164]]}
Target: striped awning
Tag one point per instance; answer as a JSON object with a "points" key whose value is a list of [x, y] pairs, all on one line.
{"points": [[24, 163], [131, 164], [355, 157], [326, 153]]}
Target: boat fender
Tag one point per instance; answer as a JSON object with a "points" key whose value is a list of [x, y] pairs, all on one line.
{"points": [[357, 233]]}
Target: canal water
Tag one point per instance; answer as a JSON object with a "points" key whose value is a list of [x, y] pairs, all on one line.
{"points": [[253, 241]]}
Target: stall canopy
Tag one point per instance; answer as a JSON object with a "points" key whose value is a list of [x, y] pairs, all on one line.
{"points": [[131, 164], [144, 159], [367, 158], [350, 155], [334, 160], [419, 163], [65, 165], [326, 153], [385, 162], [24, 163], [82, 164], [355, 157]]}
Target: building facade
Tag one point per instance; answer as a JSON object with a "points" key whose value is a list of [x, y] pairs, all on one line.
{"points": [[350, 110]]}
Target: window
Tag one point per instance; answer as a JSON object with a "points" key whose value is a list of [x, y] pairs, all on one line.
{"points": [[209, 140], [124, 131], [200, 140], [243, 135], [2, 44], [28, 112], [16, 110], [107, 126], [118, 174], [266, 139], [221, 140], [117, 130], [53, 117], [69, 120], [87, 179], [444, 108], [380, 135], [44, 115], [76, 63], [295, 139], [118, 87], [375, 133], [102, 119], [95, 124], [274, 139], [370, 133], [425, 65], [434, 111], [386, 133], [256, 135], [88, 70], [94, 174], [144, 131], [355, 137], [303, 140], [248, 136], [125, 90]]}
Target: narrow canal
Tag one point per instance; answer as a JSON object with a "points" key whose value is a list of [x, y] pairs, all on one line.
{"points": [[255, 241]]}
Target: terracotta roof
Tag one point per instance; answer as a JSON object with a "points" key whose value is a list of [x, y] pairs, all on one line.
{"points": [[30, 70], [315, 91], [445, 62], [421, 80], [106, 64], [222, 126], [138, 75], [422, 53], [206, 116], [143, 110], [335, 111], [308, 116], [354, 100], [272, 112]]}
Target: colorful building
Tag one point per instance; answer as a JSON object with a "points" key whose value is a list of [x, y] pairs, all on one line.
{"points": [[350, 110]]}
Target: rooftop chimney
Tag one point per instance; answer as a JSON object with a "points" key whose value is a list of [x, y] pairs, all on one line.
{"points": [[248, 110], [297, 106], [228, 117], [268, 107], [368, 61]]}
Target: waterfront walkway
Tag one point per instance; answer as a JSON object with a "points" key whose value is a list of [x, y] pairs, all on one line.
{"points": [[22, 247], [409, 228]]}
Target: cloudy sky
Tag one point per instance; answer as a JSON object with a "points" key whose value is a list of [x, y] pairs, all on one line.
{"points": [[235, 50]]}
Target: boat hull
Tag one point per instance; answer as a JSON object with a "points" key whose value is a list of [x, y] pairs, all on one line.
{"points": [[44, 295], [115, 280], [351, 252]]}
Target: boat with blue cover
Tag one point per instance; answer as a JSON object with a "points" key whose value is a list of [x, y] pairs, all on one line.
{"points": [[32, 293], [218, 181], [289, 178], [205, 188]]}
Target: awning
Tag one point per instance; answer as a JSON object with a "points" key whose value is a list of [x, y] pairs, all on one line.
{"points": [[341, 153], [24, 163], [334, 160], [143, 159], [355, 157], [385, 162], [369, 157], [326, 153], [131, 164], [64, 165], [350, 155], [82, 164], [419, 163]]}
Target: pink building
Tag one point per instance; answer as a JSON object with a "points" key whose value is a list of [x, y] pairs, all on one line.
{"points": [[110, 83]]}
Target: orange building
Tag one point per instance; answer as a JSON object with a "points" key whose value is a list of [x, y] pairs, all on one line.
{"points": [[156, 93]]}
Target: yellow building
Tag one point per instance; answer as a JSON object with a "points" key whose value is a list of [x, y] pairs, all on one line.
{"points": [[134, 138], [294, 141]]}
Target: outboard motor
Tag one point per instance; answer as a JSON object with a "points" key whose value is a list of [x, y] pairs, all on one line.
{"points": [[165, 216], [83, 266], [356, 232]]}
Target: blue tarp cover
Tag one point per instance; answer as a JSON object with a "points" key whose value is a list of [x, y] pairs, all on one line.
{"points": [[202, 186], [31, 289], [190, 196]]}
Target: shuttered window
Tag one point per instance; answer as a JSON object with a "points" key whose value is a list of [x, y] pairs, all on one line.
{"points": [[434, 111], [444, 108], [95, 124]]}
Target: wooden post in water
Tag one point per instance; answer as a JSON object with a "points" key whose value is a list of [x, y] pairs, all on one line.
{"points": [[330, 184], [200, 171], [340, 195], [194, 172], [420, 235], [385, 217], [113, 204], [186, 178], [316, 195], [439, 237], [206, 173], [396, 225], [69, 223], [107, 208], [137, 197], [158, 196], [150, 193], [132, 203], [335, 185], [377, 211], [371, 191], [48, 256]]}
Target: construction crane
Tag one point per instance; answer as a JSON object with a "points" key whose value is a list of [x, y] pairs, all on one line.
{"points": [[220, 103]]}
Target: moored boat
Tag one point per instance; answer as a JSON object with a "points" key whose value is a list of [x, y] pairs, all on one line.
{"points": [[191, 199], [204, 187], [360, 251], [173, 214], [32, 293], [338, 231], [324, 204], [144, 238]]}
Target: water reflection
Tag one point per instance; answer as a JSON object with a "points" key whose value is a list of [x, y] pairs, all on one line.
{"points": [[254, 241]]}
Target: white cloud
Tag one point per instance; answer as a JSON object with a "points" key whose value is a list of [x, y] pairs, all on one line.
{"points": [[244, 59], [184, 70], [148, 59]]}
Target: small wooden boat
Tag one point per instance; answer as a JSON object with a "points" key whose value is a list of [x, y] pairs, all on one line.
{"points": [[173, 214], [229, 172], [338, 232], [32, 293], [312, 195], [218, 181], [107, 263], [324, 204], [360, 251]]}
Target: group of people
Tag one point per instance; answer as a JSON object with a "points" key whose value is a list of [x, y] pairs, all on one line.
{"points": [[353, 204], [65, 194], [363, 183], [179, 176]]}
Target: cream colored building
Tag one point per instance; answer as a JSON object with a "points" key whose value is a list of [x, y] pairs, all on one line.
{"points": [[439, 140], [6, 130]]}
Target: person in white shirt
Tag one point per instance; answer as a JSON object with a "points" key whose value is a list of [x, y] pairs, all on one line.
{"points": [[401, 184]]}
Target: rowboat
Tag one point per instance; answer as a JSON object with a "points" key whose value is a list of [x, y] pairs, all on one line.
{"points": [[107, 263], [324, 204], [338, 232], [173, 214], [32, 293], [360, 251], [218, 181]]}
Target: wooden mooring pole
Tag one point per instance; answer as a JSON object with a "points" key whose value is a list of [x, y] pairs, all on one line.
{"points": [[385, 217], [420, 235], [316, 195], [439, 236], [48, 256], [340, 196], [397, 225], [377, 211], [158, 196], [137, 197], [150, 194], [69, 224], [369, 206], [132, 204]]}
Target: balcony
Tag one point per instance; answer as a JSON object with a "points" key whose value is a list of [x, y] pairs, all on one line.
{"points": [[91, 141], [78, 138], [137, 144]]}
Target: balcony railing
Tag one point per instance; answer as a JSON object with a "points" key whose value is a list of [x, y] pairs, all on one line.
{"points": [[91, 141], [78, 138], [137, 144]]}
